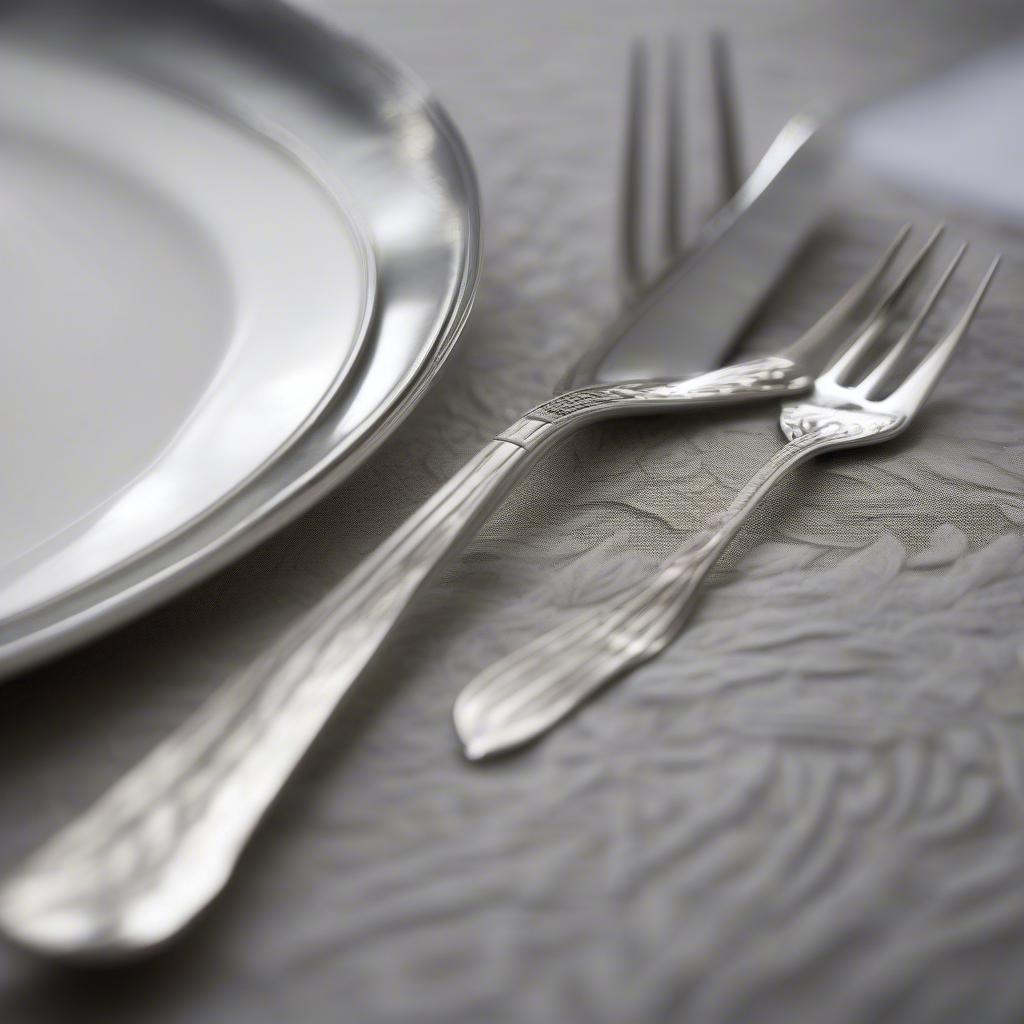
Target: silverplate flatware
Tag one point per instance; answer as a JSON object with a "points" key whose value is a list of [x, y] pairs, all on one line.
{"points": [[138, 866], [635, 252], [532, 689]]}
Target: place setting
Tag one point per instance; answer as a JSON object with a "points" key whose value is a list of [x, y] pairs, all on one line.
{"points": [[242, 245]]}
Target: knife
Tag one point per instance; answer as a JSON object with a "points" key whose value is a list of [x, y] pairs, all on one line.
{"points": [[139, 865]]}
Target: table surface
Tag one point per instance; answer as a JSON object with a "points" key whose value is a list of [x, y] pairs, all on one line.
{"points": [[809, 808]]}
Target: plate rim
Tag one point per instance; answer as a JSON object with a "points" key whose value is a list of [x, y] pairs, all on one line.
{"points": [[48, 640], [292, 150]]}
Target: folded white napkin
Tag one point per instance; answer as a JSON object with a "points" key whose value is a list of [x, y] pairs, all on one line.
{"points": [[958, 138]]}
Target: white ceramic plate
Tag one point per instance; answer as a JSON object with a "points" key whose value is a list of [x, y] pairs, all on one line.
{"points": [[193, 223], [181, 295]]}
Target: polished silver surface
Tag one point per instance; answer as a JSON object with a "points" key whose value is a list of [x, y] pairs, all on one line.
{"points": [[138, 866], [374, 133], [527, 693], [693, 314]]}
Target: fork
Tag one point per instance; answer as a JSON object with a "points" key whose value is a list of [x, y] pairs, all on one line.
{"points": [[634, 194], [528, 692], [139, 864]]}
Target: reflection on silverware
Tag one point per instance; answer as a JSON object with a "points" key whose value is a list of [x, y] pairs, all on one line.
{"points": [[528, 692]]}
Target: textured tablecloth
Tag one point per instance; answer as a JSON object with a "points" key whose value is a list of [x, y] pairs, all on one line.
{"points": [[811, 808]]}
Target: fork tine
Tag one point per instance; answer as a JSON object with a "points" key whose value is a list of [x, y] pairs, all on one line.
{"points": [[809, 344], [918, 385], [879, 317], [730, 167], [870, 384], [630, 262], [674, 189]]}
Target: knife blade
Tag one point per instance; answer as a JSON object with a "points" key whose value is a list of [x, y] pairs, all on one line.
{"points": [[692, 319]]}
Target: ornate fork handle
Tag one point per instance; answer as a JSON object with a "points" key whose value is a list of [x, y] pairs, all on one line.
{"points": [[531, 689], [143, 861]]}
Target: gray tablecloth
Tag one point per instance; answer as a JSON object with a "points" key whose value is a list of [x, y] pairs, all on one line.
{"points": [[810, 808]]}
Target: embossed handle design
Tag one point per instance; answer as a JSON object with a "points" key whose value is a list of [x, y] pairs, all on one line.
{"points": [[526, 693], [139, 865]]}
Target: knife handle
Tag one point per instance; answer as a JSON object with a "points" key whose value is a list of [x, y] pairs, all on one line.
{"points": [[142, 862]]}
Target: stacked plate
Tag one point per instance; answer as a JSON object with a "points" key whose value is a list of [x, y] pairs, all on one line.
{"points": [[236, 248]]}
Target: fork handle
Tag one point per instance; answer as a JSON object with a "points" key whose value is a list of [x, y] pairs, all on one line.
{"points": [[149, 855], [529, 691]]}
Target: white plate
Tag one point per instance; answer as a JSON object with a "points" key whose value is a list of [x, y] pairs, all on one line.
{"points": [[181, 296], [192, 353]]}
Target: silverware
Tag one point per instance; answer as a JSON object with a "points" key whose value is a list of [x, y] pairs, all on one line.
{"points": [[634, 181], [138, 866], [527, 693]]}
